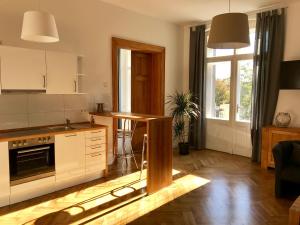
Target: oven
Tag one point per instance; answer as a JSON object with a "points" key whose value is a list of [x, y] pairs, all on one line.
{"points": [[31, 159]]}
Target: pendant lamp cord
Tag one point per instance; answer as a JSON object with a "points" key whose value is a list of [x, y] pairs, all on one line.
{"points": [[229, 5]]}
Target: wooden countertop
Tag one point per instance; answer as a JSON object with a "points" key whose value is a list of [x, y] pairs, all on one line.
{"points": [[131, 116], [35, 132]]}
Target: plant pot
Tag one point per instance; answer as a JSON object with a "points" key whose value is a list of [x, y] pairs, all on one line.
{"points": [[183, 148]]}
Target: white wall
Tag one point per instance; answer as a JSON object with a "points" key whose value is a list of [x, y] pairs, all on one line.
{"points": [[86, 27], [292, 43], [289, 101]]}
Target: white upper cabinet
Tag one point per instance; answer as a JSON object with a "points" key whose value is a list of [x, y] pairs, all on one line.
{"points": [[61, 73], [22, 69]]}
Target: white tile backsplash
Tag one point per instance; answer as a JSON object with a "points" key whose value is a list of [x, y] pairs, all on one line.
{"points": [[75, 102], [12, 121], [13, 104], [38, 103], [46, 118], [77, 115], [23, 110]]}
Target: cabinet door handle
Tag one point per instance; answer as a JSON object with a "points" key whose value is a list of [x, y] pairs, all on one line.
{"points": [[97, 154], [96, 139], [71, 135], [44, 81], [75, 86], [96, 132], [95, 147]]}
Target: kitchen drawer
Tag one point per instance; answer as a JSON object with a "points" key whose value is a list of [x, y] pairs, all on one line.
{"points": [[95, 148], [95, 141], [95, 161], [95, 133]]}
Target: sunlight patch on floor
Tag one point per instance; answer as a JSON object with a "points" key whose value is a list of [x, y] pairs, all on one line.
{"points": [[116, 201], [149, 203]]}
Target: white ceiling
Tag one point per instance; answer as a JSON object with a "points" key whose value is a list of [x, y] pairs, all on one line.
{"points": [[190, 11]]}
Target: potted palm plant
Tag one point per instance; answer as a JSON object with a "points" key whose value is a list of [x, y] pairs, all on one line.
{"points": [[183, 109]]}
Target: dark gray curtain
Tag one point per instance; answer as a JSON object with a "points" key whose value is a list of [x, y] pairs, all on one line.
{"points": [[197, 85], [268, 55]]}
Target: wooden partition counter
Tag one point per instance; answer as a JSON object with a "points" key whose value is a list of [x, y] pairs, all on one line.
{"points": [[159, 147]]}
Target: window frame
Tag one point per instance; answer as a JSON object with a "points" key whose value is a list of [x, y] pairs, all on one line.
{"points": [[233, 81]]}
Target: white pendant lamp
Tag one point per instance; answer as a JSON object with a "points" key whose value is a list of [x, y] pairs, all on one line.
{"points": [[39, 26], [229, 31]]}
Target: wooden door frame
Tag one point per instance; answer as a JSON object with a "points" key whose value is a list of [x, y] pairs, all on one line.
{"points": [[118, 43]]}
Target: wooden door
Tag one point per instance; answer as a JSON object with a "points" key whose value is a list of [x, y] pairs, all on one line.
{"points": [[141, 66], [141, 74]]}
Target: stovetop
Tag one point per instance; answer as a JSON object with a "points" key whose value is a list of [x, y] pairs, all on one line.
{"points": [[18, 133]]}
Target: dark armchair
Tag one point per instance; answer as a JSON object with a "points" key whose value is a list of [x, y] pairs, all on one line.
{"points": [[287, 168]]}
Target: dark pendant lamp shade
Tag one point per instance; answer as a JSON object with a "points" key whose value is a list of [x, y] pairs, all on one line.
{"points": [[229, 31]]}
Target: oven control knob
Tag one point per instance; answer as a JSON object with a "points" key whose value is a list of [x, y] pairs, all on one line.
{"points": [[25, 142], [20, 143], [40, 140], [14, 144], [45, 140]]}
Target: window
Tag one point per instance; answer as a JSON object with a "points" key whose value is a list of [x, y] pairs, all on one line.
{"points": [[218, 89], [229, 82], [244, 90]]}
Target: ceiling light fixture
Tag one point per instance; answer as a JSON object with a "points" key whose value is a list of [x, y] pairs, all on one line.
{"points": [[39, 26], [229, 31]]}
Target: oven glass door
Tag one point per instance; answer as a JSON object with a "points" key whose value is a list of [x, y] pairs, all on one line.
{"points": [[31, 161]]}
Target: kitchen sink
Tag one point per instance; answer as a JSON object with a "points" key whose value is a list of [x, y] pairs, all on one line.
{"points": [[60, 128]]}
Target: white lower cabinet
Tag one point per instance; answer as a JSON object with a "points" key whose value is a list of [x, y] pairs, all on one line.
{"points": [[4, 174], [79, 157], [32, 189], [95, 159], [69, 159]]}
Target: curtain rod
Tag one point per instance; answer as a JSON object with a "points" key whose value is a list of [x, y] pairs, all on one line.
{"points": [[249, 13]]}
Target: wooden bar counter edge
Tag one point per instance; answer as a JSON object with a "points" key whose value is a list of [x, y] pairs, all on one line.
{"points": [[159, 147]]}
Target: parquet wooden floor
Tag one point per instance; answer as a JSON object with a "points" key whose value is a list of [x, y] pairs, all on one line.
{"points": [[210, 188], [239, 193]]}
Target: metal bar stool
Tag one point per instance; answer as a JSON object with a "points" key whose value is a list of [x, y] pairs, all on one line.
{"points": [[126, 134], [143, 161]]}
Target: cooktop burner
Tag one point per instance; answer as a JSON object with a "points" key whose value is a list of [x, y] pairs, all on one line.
{"points": [[20, 133]]}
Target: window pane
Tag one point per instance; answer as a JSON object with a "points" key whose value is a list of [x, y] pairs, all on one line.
{"points": [[250, 49], [244, 89], [218, 90], [218, 52]]}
